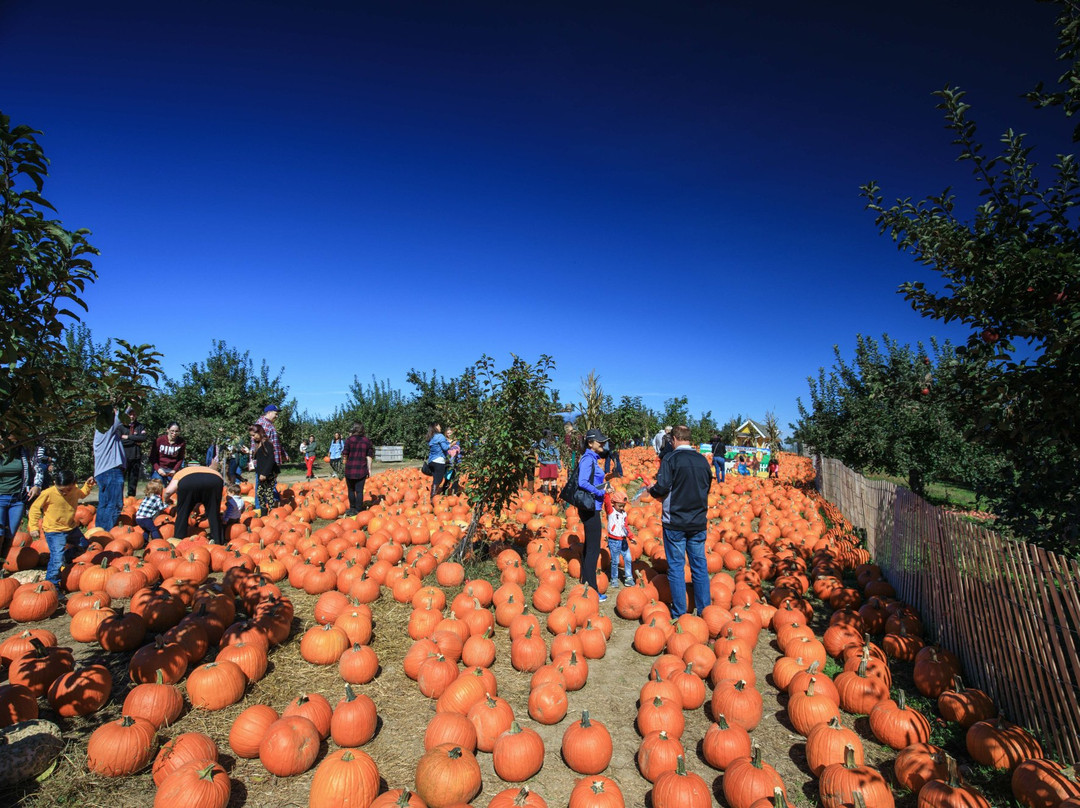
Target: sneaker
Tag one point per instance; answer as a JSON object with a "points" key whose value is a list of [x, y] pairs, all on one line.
{"points": [[629, 582], [603, 598], [614, 584]]}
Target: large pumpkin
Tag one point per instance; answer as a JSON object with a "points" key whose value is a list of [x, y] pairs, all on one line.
{"points": [[447, 775], [290, 746], [347, 777], [121, 747], [586, 746]]}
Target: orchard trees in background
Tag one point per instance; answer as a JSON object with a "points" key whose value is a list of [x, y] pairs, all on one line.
{"points": [[1011, 273], [891, 410], [44, 271], [497, 429]]}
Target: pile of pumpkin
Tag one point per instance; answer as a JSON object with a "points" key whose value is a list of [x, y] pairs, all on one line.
{"points": [[771, 592], [771, 536]]}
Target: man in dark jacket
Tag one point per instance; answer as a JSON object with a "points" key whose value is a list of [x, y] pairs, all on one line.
{"points": [[683, 484], [132, 436]]}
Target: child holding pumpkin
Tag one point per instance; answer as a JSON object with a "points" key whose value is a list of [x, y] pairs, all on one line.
{"points": [[54, 513]]}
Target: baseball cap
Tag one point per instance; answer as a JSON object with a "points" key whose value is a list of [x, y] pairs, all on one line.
{"points": [[618, 496], [271, 408], [595, 435]]}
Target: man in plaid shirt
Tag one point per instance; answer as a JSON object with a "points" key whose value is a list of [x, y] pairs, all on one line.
{"points": [[280, 456], [357, 452]]}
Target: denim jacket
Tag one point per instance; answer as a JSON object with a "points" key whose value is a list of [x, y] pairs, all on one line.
{"points": [[438, 446], [591, 476], [548, 453]]}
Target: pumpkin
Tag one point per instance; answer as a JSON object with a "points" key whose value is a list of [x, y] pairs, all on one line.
{"points": [[81, 692], [748, 779], [518, 753], [660, 713], [965, 705], [657, 754], [354, 719], [596, 792], [825, 745], [447, 775], [32, 602], [345, 778], [897, 725], [858, 691], [216, 685], [452, 728], [290, 746], [512, 798], [188, 747], [316, 708], [918, 764], [121, 747], [839, 780], [29, 748], [807, 709], [17, 704], [40, 667], [324, 645], [724, 743], [1001, 745], [251, 659], [249, 729], [196, 784], [934, 670], [359, 664], [586, 746], [548, 703], [398, 798], [740, 703], [681, 789], [1042, 783], [169, 659], [952, 793]]}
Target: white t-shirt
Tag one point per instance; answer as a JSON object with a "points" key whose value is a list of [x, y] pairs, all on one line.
{"points": [[616, 524]]}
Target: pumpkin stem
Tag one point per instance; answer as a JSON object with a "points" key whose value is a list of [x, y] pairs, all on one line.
{"points": [[813, 669], [404, 799], [680, 766], [658, 702], [810, 687], [955, 780], [857, 799], [779, 800], [755, 756], [349, 694], [733, 657], [127, 721], [454, 753], [348, 756], [901, 701], [740, 685], [585, 719], [849, 757], [721, 722], [515, 727], [834, 723], [957, 684]]}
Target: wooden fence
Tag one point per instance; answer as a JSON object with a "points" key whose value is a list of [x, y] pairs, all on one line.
{"points": [[1010, 610]]}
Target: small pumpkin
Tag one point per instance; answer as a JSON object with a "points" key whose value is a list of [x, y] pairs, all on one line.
{"points": [[586, 745], [518, 753], [447, 775], [290, 746], [121, 747], [345, 777]]}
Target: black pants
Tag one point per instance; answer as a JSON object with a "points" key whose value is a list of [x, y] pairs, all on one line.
{"points": [[132, 474], [356, 492], [590, 521], [199, 488], [438, 478]]}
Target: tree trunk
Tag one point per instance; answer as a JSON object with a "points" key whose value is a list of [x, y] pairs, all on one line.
{"points": [[915, 482], [470, 533]]}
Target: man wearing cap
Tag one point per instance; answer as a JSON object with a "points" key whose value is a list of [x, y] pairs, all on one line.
{"points": [[266, 421], [683, 484]]}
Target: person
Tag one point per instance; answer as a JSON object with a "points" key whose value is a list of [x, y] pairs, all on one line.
{"points": [[619, 540], [571, 444], [310, 448], [774, 468], [109, 464], [54, 513], [682, 484], [658, 439], [591, 478], [438, 446], [667, 444], [197, 485], [266, 421], [336, 447], [20, 481], [234, 506], [152, 504], [717, 444], [167, 454], [453, 461], [266, 468], [740, 465], [236, 449], [547, 454], [613, 457], [133, 435], [357, 454]]}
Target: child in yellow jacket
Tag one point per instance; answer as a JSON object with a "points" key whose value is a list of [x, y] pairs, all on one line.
{"points": [[54, 512]]}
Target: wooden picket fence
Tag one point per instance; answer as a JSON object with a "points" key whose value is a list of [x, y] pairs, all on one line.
{"points": [[1010, 610]]}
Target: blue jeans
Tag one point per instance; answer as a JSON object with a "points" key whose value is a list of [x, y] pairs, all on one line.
{"points": [[62, 547], [719, 466], [618, 464], [620, 548], [110, 497], [11, 514], [678, 545], [148, 527]]}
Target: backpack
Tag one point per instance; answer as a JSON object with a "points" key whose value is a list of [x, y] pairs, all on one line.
{"points": [[571, 494]]}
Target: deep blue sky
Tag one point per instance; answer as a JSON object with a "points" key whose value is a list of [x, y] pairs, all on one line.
{"points": [[665, 192]]}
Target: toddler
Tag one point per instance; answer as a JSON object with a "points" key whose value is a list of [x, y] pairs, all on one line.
{"points": [[151, 505], [234, 506], [54, 513], [618, 540]]}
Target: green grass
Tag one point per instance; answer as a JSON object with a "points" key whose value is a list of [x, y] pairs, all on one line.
{"points": [[943, 494]]}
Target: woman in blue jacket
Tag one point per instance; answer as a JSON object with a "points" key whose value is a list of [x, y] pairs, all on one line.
{"points": [[591, 478], [438, 446]]}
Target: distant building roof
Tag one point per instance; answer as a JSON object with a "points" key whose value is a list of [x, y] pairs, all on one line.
{"points": [[754, 425]]}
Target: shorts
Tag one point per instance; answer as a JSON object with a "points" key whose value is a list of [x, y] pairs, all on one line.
{"points": [[549, 471]]}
